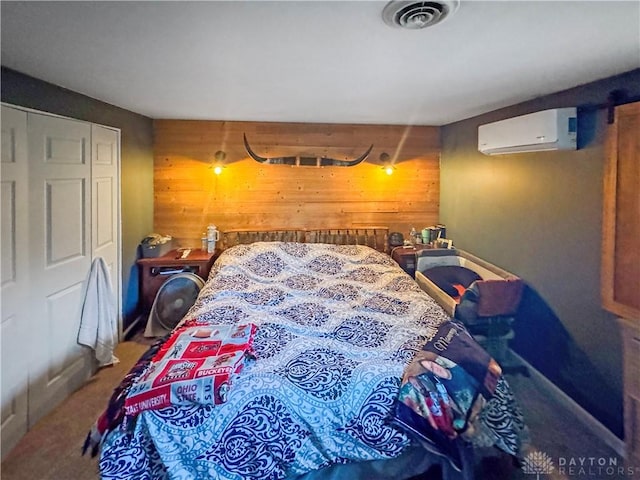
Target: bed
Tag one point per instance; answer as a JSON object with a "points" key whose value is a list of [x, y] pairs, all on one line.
{"points": [[337, 323]]}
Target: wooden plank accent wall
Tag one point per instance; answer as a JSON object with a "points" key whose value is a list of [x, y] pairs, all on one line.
{"points": [[247, 194]]}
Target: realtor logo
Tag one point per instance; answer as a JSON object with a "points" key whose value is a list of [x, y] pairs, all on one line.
{"points": [[536, 463]]}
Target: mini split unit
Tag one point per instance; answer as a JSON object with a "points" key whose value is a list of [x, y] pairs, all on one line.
{"points": [[554, 129]]}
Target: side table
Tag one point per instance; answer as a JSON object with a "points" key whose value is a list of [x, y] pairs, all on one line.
{"points": [[406, 257], [155, 271]]}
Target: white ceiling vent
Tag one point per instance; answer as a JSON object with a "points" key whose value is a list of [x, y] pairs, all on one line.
{"points": [[415, 15]]}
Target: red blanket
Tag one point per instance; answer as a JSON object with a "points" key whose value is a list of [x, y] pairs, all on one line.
{"points": [[196, 365]]}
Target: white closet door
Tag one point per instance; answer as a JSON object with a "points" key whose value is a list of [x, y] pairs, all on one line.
{"points": [[105, 205], [15, 321], [60, 256]]}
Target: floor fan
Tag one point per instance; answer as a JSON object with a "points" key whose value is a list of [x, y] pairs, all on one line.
{"points": [[172, 302]]}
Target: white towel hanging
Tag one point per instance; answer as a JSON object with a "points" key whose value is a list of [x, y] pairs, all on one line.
{"points": [[99, 320]]}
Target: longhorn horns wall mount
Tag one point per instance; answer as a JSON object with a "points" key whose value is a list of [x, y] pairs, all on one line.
{"points": [[300, 161]]}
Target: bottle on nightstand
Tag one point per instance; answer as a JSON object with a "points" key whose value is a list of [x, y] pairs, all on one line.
{"points": [[213, 235]]}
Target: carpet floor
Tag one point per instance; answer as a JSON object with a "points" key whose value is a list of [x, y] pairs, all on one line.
{"points": [[51, 450]]}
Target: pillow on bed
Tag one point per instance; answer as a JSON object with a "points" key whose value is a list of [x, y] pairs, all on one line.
{"points": [[445, 277]]}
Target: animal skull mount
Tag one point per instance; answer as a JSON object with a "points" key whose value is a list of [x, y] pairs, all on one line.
{"points": [[306, 161]]}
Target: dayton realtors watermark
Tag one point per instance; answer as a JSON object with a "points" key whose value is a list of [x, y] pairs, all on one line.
{"points": [[539, 463], [595, 467]]}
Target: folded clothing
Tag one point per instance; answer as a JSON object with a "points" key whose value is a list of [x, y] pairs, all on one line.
{"points": [[196, 365]]}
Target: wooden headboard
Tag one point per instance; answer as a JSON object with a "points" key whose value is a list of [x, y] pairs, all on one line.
{"points": [[374, 237]]}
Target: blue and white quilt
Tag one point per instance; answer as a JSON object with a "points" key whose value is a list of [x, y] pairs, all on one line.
{"points": [[336, 327]]}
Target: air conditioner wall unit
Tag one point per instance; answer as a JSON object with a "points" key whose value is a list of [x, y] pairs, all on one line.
{"points": [[554, 129]]}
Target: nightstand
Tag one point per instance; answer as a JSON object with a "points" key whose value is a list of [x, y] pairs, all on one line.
{"points": [[155, 271], [406, 257]]}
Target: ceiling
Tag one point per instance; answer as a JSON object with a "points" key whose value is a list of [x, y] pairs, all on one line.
{"points": [[317, 61]]}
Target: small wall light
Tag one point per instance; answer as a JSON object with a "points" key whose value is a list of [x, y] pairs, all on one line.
{"points": [[387, 166], [219, 157]]}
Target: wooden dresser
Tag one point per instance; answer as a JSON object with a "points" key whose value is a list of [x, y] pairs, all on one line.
{"points": [[631, 349], [620, 280]]}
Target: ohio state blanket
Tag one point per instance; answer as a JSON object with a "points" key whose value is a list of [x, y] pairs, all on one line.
{"points": [[197, 365]]}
